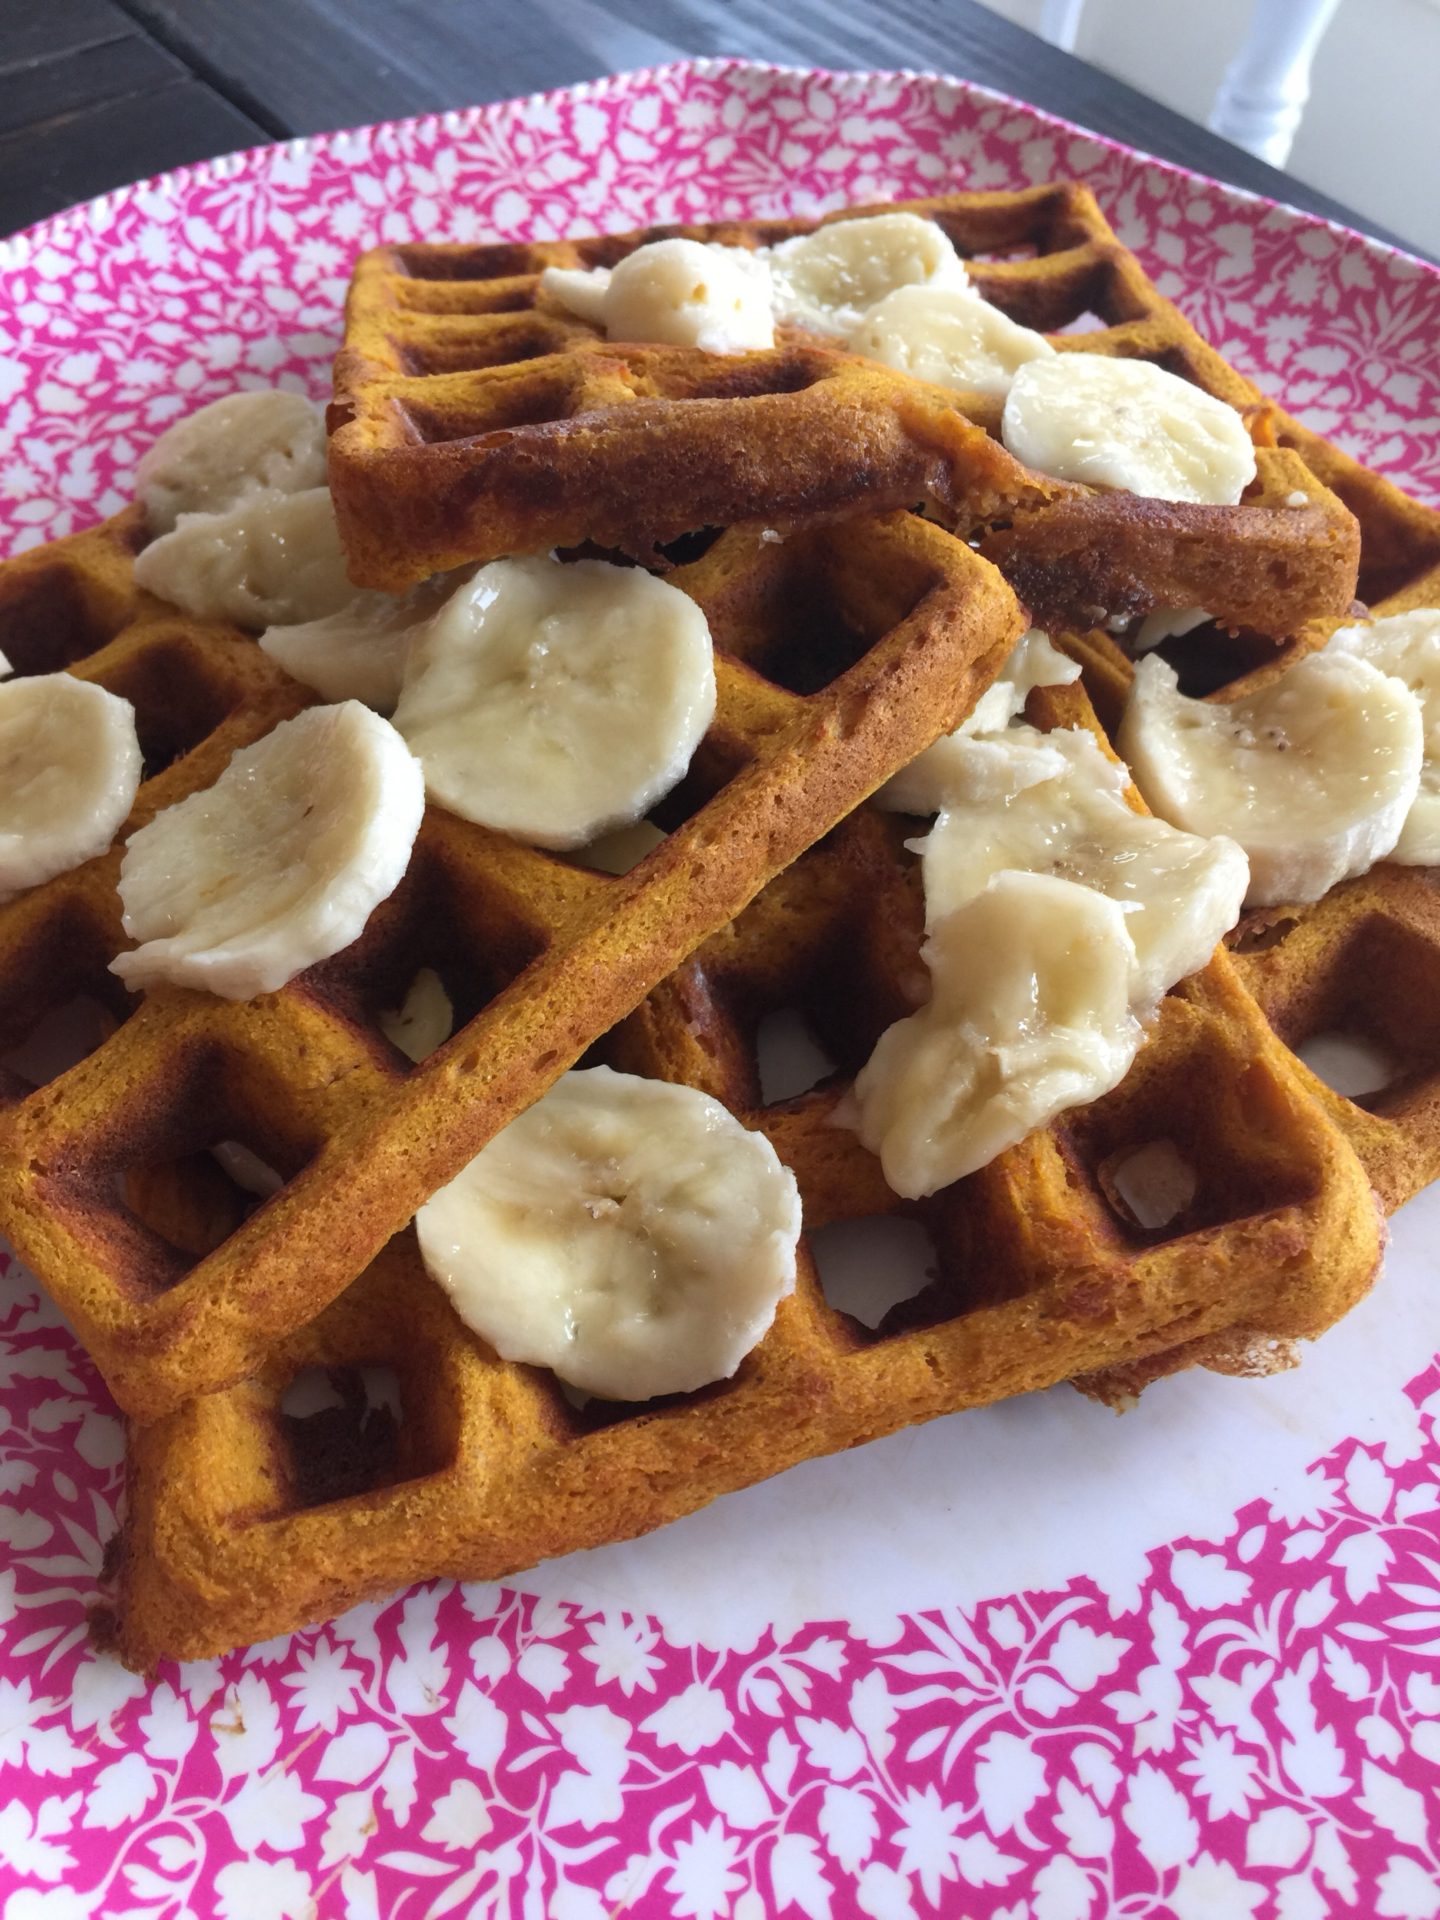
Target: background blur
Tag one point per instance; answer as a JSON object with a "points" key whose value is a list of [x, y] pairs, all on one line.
{"points": [[1371, 131]]}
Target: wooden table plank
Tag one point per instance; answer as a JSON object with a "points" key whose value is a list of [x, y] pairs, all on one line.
{"points": [[48, 91], [90, 101], [308, 66], [91, 148], [31, 32]]}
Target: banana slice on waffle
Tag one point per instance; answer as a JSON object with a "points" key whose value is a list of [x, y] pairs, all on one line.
{"points": [[558, 702], [1127, 424], [1407, 647], [1314, 775], [629, 1234], [279, 864], [70, 767]]}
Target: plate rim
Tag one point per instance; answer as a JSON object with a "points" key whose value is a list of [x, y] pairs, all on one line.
{"points": [[230, 166]]}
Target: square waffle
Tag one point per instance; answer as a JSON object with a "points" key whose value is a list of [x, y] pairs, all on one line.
{"points": [[840, 654], [245, 1520], [473, 418]]}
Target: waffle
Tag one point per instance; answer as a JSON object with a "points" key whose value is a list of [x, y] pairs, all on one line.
{"points": [[841, 654], [246, 1517], [246, 1522], [473, 419]]}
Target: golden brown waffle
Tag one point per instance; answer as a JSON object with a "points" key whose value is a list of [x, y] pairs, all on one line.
{"points": [[200, 690], [472, 418], [244, 1522], [631, 447], [1364, 962], [842, 653]]}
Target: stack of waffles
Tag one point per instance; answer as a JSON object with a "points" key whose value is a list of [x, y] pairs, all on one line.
{"points": [[472, 418]]}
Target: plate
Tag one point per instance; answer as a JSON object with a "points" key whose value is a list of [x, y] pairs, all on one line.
{"points": [[1033, 1662]]}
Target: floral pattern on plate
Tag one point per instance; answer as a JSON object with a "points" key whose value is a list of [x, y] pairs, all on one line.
{"points": [[1248, 1729]]}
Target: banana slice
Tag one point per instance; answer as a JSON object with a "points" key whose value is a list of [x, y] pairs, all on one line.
{"points": [[580, 290], [358, 652], [240, 887], [1165, 623], [922, 787], [556, 702], [629, 1234], [227, 453], [245, 1167], [1030, 1015], [618, 852], [275, 560], [676, 293], [69, 768], [1407, 645], [1180, 893], [424, 1020], [5, 667], [1313, 776], [827, 281], [948, 335], [1125, 423]]}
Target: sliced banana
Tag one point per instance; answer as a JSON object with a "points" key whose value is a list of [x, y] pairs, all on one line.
{"points": [[1165, 623], [629, 1234], [1180, 893], [1126, 423], [692, 293], [1407, 645], [828, 280], [245, 1167], [1030, 1015], [618, 852], [358, 651], [1313, 776], [69, 768], [227, 453], [5, 667], [241, 886], [580, 290], [275, 560], [676, 293], [922, 786], [1034, 662], [948, 335], [424, 1020], [555, 702]]}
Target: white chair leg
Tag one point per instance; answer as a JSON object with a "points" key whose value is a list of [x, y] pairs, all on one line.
{"points": [[1060, 22], [1266, 86]]}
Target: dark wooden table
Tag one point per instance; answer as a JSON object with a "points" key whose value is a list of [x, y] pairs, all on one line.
{"points": [[96, 93]]}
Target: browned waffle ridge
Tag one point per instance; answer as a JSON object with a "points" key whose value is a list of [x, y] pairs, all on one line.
{"points": [[244, 1524], [841, 654], [472, 419]]}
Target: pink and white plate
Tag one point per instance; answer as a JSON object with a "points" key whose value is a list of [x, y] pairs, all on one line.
{"points": [[1035, 1662]]}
